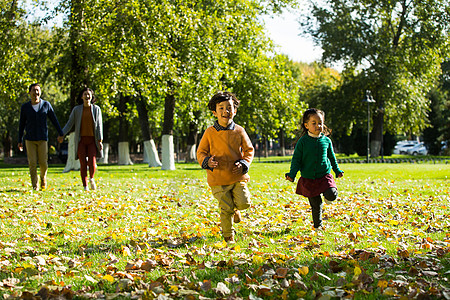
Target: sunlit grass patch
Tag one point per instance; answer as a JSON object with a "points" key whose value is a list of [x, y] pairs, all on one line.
{"points": [[147, 232]]}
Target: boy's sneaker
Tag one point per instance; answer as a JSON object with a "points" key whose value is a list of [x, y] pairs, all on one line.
{"points": [[319, 231], [230, 240], [237, 217], [92, 183], [43, 183]]}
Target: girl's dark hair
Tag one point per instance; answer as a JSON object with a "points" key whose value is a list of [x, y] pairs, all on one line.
{"points": [[80, 95], [306, 115], [220, 97]]}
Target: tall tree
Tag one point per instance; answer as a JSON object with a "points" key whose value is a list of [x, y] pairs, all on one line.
{"points": [[166, 51], [14, 74], [150, 151], [129, 53], [79, 71], [393, 48], [26, 56]]}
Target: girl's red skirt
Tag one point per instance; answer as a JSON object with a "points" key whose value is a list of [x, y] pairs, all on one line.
{"points": [[314, 187]]}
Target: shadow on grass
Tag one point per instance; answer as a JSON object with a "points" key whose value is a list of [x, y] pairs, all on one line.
{"points": [[143, 168], [275, 233]]}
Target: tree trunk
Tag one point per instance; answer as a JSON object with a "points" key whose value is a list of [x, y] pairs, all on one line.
{"points": [[143, 118], [191, 155], [168, 158], [150, 153], [106, 145], [105, 158], [168, 161], [376, 135], [124, 152], [79, 70], [72, 163], [145, 127], [7, 144], [266, 147], [282, 143]]}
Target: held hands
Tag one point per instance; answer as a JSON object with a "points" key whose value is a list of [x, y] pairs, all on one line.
{"points": [[60, 139], [20, 145], [212, 163]]}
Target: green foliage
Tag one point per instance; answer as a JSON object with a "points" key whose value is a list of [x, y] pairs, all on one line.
{"points": [[14, 75], [28, 56], [393, 48], [151, 49], [268, 94], [434, 135]]}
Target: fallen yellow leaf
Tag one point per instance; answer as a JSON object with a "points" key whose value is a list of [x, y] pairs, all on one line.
{"points": [[173, 288], [220, 245], [382, 283], [303, 270], [108, 278], [257, 259]]}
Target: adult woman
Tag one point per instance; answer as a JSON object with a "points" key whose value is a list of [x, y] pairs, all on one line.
{"points": [[87, 119]]}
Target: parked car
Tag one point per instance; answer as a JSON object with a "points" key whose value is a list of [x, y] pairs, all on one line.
{"points": [[418, 149], [403, 146]]}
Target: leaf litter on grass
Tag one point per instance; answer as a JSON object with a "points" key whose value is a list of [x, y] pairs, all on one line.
{"points": [[161, 239]]}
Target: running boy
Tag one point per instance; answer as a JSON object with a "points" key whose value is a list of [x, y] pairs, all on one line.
{"points": [[226, 152]]}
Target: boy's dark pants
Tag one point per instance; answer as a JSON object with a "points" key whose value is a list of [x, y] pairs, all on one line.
{"points": [[316, 205]]}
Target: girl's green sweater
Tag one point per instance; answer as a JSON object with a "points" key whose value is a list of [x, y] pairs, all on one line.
{"points": [[313, 157]]}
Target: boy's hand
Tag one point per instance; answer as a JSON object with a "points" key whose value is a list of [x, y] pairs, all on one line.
{"points": [[212, 163], [289, 178], [340, 175], [237, 169]]}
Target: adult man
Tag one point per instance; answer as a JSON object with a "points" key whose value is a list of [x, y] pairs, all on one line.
{"points": [[33, 119]]}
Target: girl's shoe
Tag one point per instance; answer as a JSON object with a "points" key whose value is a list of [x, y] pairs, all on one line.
{"points": [[43, 183], [318, 231], [85, 188], [92, 183], [230, 239]]}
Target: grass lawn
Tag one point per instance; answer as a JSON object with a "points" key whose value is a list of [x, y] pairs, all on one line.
{"points": [[148, 233]]}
